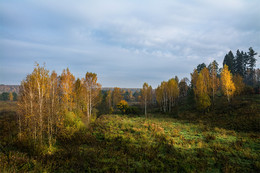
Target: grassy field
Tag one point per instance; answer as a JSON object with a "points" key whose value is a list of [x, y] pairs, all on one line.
{"points": [[116, 143], [8, 106]]}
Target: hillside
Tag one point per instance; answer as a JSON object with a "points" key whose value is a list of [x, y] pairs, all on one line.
{"points": [[227, 140], [9, 88]]}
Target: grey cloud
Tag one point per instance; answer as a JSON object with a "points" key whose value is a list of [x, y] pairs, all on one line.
{"points": [[124, 42]]}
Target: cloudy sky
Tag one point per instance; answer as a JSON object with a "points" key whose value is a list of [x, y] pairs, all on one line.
{"points": [[126, 43]]}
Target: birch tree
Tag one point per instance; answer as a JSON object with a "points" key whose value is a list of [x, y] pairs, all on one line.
{"points": [[146, 96], [227, 84], [66, 86], [93, 88]]}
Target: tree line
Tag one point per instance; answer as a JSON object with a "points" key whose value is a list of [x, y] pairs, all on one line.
{"points": [[8, 96], [49, 103]]}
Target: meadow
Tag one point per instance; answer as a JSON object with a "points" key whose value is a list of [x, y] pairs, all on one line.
{"points": [[224, 140]]}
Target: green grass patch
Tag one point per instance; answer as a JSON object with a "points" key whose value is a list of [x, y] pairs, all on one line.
{"points": [[116, 143]]}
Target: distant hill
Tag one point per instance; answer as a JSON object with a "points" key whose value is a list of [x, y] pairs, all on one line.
{"points": [[15, 88], [9, 88], [125, 89]]}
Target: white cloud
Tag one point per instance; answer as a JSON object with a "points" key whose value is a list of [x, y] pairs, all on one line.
{"points": [[126, 42]]}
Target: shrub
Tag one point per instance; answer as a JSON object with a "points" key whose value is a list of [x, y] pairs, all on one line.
{"points": [[210, 137], [122, 106], [133, 110]]}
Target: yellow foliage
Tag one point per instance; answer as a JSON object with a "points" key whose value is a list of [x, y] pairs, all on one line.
{"points": [[202, 98], [11, 97], [227, 84], [122, 106]]}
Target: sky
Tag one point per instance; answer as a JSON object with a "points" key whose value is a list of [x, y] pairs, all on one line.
{"points": [[126, 42]]}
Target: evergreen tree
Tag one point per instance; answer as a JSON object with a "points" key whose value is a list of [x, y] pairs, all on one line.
{"points": [[240, 63], [251, 65], [229, 61], [252, 59], [200, 67]]}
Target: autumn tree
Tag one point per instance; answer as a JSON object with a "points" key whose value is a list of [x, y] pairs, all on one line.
{"points": [[116, 96], [122, 106], [33, 99], [47, 103], [25, 108], [109, 101], [92, 90], [172, 93], [161, 96], [206, 79], [202, 98], [166, 94], [227, 84], [194, 78], [146, 96], [53, 118], [41, 76], [66, 86], [79, 94], [213, 70], [201, 85], [183, 87], [11, 97], [239, 84]]}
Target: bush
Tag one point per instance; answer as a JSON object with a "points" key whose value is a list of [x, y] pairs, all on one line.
{"points": [[210, 137], [248, 90], [72, 124], [133, 110], [122, 106]]}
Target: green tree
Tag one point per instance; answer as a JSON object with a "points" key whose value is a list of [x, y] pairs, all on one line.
{"points": [[229, 61], [200, 67], [240, 63], [4, 96]]}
